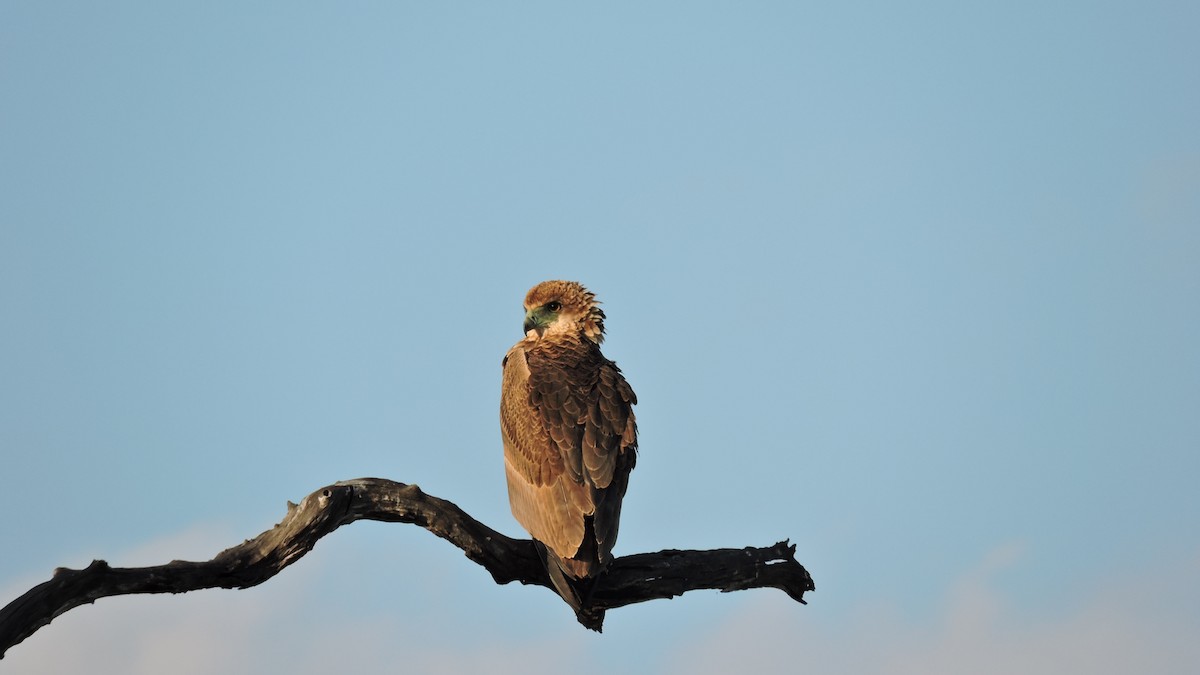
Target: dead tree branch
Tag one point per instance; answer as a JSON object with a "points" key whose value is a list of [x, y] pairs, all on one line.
{"points": [[630, 579]]}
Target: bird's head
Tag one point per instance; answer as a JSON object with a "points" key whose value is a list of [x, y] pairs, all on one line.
{"points": [[564, 308]]}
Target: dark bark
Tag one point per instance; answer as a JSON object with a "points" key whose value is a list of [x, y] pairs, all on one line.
{"points": [[630, 579]]}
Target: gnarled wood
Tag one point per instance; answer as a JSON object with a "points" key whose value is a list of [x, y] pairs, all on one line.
{"points": [[630, 579]]}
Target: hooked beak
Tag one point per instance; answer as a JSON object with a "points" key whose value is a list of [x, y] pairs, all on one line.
{"points": [[532, 323]]}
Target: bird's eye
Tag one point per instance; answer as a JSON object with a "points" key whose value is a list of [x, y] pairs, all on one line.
{"points": [[554, 306]]}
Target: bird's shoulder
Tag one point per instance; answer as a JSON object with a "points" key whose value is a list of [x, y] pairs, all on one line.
{"points": [[573, 367]]}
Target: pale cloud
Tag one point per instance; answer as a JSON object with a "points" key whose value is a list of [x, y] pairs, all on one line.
{"points": [[1144, 623], [244, 633], [279, 626], [204, 632]]}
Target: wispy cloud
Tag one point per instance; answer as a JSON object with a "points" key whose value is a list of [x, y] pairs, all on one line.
{"points": [[149, 633], [278, 626], [1144, 623]]}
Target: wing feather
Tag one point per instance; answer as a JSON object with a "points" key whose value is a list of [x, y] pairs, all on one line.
{"points": [[570, 441]]}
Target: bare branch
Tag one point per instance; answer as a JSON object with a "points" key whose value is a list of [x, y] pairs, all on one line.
{"points": [[630, 579]]}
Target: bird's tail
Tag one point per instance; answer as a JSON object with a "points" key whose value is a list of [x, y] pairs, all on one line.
{"points": [[577, 592]]}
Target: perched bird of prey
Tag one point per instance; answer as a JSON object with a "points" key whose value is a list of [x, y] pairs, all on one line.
{"points": [[570, 439]]}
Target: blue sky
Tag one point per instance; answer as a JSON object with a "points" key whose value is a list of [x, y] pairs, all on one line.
{"points": [[913, 286]]}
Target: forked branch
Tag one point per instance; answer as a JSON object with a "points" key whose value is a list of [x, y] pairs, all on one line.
{"points": [[630, 579]]}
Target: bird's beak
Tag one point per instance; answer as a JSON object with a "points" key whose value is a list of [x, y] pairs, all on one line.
{"points": [[532, 322]]}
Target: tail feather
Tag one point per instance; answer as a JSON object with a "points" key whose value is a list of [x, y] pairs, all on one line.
{"points": [[577, 592]]}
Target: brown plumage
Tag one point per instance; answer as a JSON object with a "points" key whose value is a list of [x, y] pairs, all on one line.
{"points": [[570, 438]]}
